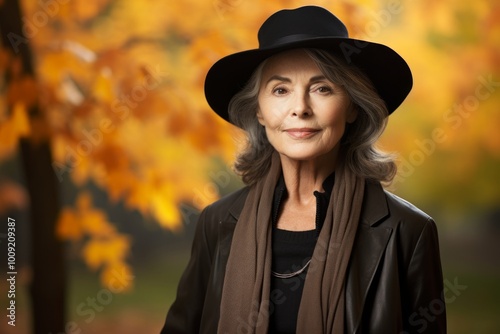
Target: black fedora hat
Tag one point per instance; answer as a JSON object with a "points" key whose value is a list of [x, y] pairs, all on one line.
{"points": [[309, 27]]}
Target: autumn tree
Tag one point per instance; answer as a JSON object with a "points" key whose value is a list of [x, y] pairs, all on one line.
{"points": [[27, 122], [118, 104]]}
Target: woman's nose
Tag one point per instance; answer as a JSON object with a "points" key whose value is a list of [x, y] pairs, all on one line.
{"points": [[301, 106]]}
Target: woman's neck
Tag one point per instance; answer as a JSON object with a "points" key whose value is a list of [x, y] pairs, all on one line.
{"points": [[302, 178]]}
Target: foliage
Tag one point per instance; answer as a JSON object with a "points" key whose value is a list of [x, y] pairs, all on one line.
{"points": [[120, 84], [450, 148]]}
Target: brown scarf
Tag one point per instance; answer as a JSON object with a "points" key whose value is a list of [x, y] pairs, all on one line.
{"points": [[246, 298]]}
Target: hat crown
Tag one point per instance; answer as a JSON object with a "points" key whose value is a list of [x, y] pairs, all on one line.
{"points": [[290, 25], [310, 27]]}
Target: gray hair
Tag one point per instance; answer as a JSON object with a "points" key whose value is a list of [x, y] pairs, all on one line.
{"points": [[358, 143]]}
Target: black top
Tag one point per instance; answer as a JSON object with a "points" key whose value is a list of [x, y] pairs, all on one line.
{"points": [[290, 252]]}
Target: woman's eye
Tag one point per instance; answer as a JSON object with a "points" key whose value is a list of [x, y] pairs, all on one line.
{"points": [[324, 89], [279, 91]]}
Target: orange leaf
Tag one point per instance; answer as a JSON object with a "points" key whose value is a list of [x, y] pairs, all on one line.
{"points": [[12, 129], [93, 221], [102, 251], [165, 211], [20, 120], [23, 90], [68, 225], [117, 277], [103, 88], [87, 10]]}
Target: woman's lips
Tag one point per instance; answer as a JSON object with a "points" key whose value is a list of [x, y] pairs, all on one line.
{"points": [[301, 133]]}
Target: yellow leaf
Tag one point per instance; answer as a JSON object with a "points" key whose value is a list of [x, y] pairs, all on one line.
{"points": [[68, 226], [20, 120], [103, 89], [119, 183], [80, 169], [165, 211], [8, 139], [138, 197], [102, 251], [12, 129], [92, 221], [87, 10], [117, 277]]}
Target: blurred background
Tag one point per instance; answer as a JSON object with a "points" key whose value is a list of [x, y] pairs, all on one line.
{"points": [[108, 149]]}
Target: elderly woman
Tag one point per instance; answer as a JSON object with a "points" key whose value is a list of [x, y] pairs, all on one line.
{"points": [[312, 244]]}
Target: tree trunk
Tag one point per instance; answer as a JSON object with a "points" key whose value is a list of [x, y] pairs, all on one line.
{"points": [[48, 286]]}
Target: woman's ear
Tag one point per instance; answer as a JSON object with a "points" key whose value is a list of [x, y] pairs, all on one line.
{"points": [[260, 118], [352, 113]]}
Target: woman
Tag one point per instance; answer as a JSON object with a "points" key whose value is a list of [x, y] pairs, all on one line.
{"points": [[313, 243]]}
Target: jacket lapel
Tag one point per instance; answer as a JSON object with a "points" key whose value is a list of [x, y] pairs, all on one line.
{"points": [[226, 230], [371, 241], [237, 206]]}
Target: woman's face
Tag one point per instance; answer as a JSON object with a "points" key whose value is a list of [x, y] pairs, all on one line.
{"points": [[304, 114]]}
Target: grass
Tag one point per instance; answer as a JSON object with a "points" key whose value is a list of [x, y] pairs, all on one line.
{"points": [[477, 308], [154, 290]]}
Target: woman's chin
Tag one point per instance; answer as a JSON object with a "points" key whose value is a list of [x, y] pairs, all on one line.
{"points": [[304, 156]]}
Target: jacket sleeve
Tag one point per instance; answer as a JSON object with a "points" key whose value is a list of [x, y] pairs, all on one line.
{"points": [[184, 315], [426, 312]]}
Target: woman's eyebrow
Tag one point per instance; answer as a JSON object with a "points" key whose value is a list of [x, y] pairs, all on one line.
{"points": [[278, 78], [318, 78], [285, 79]]}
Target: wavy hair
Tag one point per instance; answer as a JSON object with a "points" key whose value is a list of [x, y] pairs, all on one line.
{"points": [[358, 143]]}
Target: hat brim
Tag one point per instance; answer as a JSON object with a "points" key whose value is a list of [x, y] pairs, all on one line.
{"points": [[387, 70]]}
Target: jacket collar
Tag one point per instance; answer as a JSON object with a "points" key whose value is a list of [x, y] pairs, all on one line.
{"points": [[235, 209], [374, 204]]}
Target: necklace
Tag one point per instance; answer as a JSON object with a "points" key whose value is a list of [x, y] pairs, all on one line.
{"points": [[289, 275]]}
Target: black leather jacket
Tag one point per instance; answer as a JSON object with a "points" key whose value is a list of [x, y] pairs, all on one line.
{"points": [[394, 282]]}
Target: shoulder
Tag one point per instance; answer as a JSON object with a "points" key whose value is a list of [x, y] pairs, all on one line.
{"points": [[410, 224], [223, 212], [228, 207], [382, 208], [405, 210], [411, 233]]}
